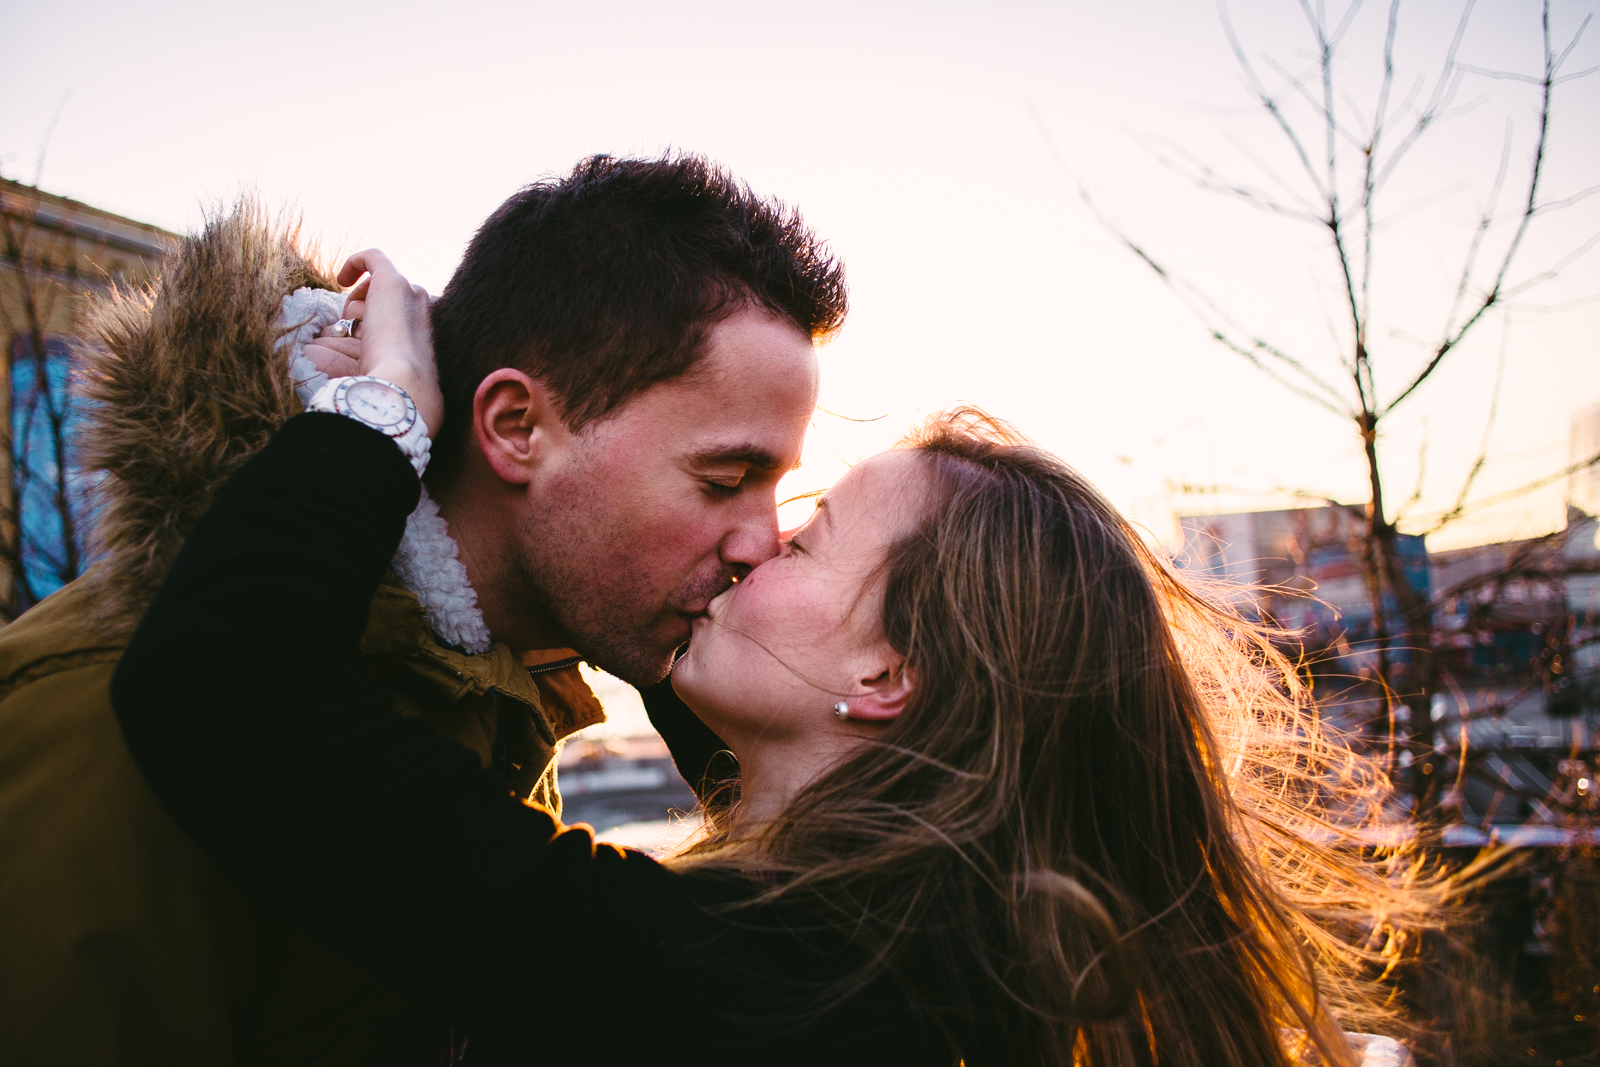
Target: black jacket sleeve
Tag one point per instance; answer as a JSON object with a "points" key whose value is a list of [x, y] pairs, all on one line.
{"points": [[241, 697]]}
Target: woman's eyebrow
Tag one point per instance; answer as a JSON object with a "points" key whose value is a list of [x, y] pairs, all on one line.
{"points": [[753, 456]]}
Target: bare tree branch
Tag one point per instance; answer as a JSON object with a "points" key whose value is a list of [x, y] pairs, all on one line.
{"points": [[1567, 51], [1555, 269], [1541, 309], [1566, 202], [1182, 488], [1460, 505], [1321, 107], [1552, 65], [1537, 484], [1268, 101], [1203, 176], [1485, 220], [1251, 349], [44, 141], [1444, 90], [1370, 156], [1425, 200], [1416, 491]]}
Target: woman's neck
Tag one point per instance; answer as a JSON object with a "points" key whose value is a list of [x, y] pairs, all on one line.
{"points": [[772, 772]]}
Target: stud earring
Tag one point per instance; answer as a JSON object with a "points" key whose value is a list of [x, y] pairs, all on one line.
{"points": [[841, 711]]}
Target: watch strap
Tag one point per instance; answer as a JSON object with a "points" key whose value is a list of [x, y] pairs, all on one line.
{"points": [[415, 443]]}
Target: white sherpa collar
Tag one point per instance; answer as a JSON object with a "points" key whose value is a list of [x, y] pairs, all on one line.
{"points": [[429, 563], [428, 560]]}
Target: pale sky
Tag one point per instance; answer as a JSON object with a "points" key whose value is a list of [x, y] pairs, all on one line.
{"points": [[910, 135]]}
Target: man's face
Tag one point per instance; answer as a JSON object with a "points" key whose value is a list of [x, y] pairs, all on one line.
{"points": [[656, 507]]}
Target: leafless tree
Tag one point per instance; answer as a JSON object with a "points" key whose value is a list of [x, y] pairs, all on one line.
{"points": [[1346, 157]]}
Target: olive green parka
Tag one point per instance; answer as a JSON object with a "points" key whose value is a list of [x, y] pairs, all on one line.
{"points": [[119, 942]]}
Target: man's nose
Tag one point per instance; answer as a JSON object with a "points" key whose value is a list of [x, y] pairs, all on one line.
{"points": [[753, 541]]}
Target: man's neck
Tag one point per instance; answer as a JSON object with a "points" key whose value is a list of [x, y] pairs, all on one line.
{"points": [[486, 548]]}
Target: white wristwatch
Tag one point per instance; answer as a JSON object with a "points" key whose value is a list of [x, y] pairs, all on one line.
{"points": [[383, 405]]}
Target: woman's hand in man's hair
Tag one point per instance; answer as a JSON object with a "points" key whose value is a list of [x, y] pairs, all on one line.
{"points": [[393, 341]]}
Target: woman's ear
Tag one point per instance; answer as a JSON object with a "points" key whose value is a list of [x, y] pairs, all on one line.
{"points": [[517, 424], [884, 695]]}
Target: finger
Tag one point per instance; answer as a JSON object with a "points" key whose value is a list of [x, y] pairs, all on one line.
{"points": [[345, 327], [348, 346], [370, 260], [332, 362], [359, 264], [355, 309], [360, 290]]}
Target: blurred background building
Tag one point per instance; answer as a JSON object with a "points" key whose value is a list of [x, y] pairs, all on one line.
{"points": [[618, 776], [53, 252], [1514, 627]]}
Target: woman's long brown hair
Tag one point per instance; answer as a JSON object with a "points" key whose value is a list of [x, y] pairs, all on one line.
{"points": [[1109, 829]]}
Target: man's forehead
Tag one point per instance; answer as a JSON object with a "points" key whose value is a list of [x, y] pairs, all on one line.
{"points": [[748, 400]]}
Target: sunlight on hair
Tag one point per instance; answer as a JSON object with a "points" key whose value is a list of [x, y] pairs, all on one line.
{"points": [[1090, 724]]}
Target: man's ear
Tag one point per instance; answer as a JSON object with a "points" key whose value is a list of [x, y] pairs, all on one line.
{"points": [[884, 695], [517, 424]]}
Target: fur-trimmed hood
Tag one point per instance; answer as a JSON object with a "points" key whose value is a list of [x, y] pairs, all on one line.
{"points": [[184, 385], [192, 377]]}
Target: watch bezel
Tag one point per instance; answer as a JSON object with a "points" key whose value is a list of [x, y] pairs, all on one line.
{"points": [[342, 406]]}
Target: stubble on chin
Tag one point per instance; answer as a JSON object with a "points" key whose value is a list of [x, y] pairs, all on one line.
{"points": [[640, 650], [637, 665], [606, 604], [622, 629]]}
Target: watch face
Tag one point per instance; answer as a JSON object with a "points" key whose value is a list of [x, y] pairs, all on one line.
{"points": [[378, 405]]}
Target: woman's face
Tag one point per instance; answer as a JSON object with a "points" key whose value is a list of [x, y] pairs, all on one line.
{"points": [[772, 656]]}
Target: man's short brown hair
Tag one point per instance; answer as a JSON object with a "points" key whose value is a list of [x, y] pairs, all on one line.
{"points": [[605, 282]]}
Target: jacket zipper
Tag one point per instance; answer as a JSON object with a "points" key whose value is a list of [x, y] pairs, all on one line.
{"points": [[558, 665]]}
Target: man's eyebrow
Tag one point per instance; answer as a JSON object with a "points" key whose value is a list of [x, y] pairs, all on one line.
{"points": [[753, 456]]}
